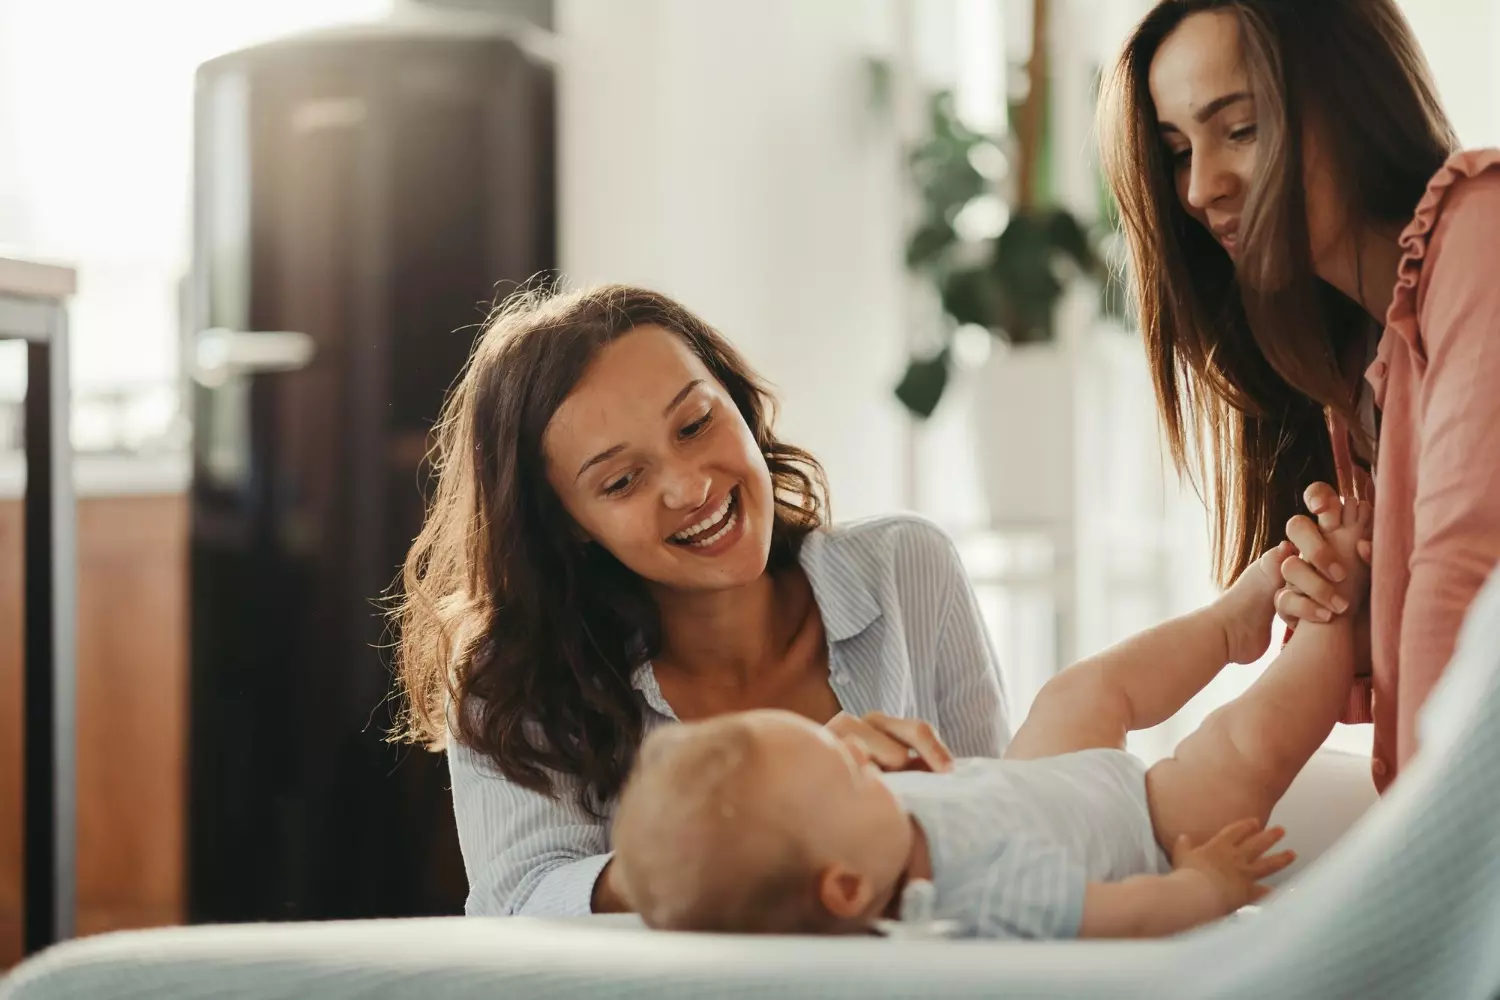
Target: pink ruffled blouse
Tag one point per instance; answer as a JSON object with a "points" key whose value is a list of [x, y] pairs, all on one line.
{"points": [[1436, 382]]}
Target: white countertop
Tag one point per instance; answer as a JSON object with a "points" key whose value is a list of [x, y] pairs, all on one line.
{"points": [[94, 474], [106, 475], [36, 280]]}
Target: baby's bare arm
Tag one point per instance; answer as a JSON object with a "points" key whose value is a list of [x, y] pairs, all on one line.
{"points": [[1210, 880], [1149, 906]]}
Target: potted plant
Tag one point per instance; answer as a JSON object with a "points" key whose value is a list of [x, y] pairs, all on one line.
{"points": [[1008, 282], [1000, 253]]}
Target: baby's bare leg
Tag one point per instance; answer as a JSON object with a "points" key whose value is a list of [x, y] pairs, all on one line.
{"points": [[1243, 758], [1241, 761], [1145, 680]]}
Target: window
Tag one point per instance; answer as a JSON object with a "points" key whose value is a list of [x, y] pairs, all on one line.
{"points": [[95, 140]]}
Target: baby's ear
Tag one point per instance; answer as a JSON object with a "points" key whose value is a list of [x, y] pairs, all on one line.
{"points": [[844, 893]]}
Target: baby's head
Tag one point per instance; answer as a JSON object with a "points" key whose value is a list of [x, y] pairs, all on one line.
{"points": [[759, 822]]}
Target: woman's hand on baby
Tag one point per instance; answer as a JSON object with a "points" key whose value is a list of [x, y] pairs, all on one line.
{"points": [[894, 744], [1234, 861], [1329, 574]]}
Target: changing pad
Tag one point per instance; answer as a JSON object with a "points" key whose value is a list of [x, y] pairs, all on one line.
{"points": [[1406, 905]]}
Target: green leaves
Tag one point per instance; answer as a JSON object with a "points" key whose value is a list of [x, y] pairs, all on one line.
{"points": [[1009, 284], [1066, 235], [1013, 290], [922, 386], [928, 244], [943, 169]]}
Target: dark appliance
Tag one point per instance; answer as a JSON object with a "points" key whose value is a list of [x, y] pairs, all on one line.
{"points": [[362, 197]]}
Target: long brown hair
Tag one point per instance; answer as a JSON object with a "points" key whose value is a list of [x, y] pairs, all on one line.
{"points": [[1246, 362], [511, 630]]}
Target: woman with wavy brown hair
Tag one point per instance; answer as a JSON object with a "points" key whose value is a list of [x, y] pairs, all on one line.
{"points": [[1315, 269], [619, 540]]}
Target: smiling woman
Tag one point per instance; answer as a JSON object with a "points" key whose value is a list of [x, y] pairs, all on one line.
{"points": [[680, 493], [1299, 141], [620, 541], [1314, 268]]}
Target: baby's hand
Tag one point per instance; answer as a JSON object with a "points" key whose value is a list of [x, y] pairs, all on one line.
{"points": [[1334, 540], [1246, 609], [1233, 861]]}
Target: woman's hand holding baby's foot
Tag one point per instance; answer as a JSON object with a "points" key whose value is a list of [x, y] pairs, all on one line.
{"points": [[1329, 574], [1232, 863], [1248, 607]]}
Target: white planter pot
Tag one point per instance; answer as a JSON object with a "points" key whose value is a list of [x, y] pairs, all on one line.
{"points": [[1024, 428]]}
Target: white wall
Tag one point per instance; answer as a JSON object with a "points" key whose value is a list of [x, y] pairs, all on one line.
{"points": [[95, 162], [725, 153], [1462, 40]]}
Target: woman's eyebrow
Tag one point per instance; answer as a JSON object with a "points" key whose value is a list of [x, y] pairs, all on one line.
{"points": [[1213, 107]]}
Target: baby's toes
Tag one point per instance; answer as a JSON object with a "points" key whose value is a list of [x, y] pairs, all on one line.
{"points": [[1358, 518], [1270, 562]]}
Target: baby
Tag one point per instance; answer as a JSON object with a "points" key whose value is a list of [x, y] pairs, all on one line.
{"points": [[763, 822]]}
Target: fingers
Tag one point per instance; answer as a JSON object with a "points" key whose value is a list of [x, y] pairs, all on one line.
{"points": [[1257, 844], [1271, 864], [1235, 833], [921, 737], [1366, 550], [886, 753], [1302, 577], [844, 726], [900, 738], [1250, 842], [1314, 549], [1323, 501], [839, 724], [1271, 560], [1294, 606]]}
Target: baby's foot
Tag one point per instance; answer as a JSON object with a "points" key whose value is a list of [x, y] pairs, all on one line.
{"points": [[1248, 607], [1357, 519]]}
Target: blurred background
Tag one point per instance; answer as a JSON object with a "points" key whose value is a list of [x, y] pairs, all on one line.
{"points": [[288, 218]]}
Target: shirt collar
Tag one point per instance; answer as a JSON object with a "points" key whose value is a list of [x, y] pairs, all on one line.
{"points": [[643, 679], [841, 586]]}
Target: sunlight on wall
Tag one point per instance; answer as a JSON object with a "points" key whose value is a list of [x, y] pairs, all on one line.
{"points": [[95, 140]]}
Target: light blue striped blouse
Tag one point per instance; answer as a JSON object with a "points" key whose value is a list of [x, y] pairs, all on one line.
{"points": [[904, 637]]}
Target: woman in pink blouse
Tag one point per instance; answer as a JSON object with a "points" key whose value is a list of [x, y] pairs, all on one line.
{"points": [[1316, 272]]}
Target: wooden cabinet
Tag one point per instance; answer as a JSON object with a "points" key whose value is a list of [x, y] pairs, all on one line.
{"points": [[132, 714], [11, 654]]}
